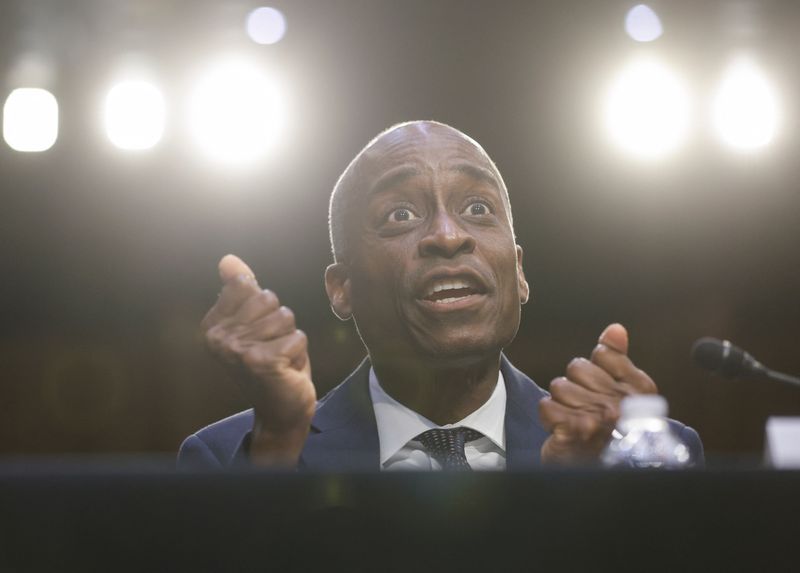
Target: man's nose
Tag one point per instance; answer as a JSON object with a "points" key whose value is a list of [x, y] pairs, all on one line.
{"points": [[445, 238]]}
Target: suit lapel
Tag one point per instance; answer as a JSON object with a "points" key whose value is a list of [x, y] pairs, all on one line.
{"points": [[524, 432], [344, 434]]}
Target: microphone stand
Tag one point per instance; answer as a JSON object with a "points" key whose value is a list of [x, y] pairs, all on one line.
{"points": [[780, 377]]}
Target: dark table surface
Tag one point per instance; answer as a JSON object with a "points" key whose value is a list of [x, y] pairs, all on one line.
{"points": [[143, 517]]}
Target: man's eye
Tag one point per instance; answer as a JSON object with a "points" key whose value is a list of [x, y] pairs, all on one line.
{"points": [[477, 208], [402, 214]]}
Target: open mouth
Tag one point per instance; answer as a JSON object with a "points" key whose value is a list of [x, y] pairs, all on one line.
{"points": [[451, 290]]}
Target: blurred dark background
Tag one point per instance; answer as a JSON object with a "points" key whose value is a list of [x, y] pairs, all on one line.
{"points": [[109, 257]]}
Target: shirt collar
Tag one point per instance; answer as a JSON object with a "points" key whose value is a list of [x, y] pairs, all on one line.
{"points": [[398, 424]]}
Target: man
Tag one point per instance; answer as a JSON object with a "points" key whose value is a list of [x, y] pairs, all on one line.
{"points": [[426, 264]]}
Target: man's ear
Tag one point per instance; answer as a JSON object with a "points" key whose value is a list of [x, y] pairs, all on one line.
{"points": [[337, 285], [524, 289]]}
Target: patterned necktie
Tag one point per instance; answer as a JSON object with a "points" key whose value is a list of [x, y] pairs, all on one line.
{"points": [[446, 446]]}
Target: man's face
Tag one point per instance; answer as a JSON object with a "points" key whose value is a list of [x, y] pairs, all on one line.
{"points": [[434, 272]]}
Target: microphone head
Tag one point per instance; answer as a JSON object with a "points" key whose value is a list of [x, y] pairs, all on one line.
{"points": [[707, 352], [724, 358]]}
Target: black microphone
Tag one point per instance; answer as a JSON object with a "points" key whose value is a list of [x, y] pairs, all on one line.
{"points": [[725, 359]]}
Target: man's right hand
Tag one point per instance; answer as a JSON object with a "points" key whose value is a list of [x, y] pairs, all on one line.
{"points": [[257, 340]]}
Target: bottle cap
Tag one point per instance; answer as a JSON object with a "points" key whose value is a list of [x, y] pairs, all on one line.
{"points": [[643, 406]]}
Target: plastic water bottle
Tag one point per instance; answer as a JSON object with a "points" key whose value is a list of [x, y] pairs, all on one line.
{"points": [[643, 438]]}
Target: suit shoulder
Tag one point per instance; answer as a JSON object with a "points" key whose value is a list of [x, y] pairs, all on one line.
{"points": [[238, 423], [223, 439]]}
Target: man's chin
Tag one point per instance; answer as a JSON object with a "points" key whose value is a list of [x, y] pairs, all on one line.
{"points": [[440, 347], [459, 352]]}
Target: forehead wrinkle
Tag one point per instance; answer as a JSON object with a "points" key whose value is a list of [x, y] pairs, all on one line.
{"points": [[392, 178], [477, 172]]}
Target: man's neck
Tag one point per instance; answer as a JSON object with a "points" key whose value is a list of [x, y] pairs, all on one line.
{"points": [[444, 395]]}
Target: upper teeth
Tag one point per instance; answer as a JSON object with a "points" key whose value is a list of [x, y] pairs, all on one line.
{"points": [[447, 285]]}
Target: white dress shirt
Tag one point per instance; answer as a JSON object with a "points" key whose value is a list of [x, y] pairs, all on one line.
{"points": [[399, 425]]}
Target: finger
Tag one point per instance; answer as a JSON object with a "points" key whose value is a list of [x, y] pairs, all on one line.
{"points": [[623, 370], [274, 355], [553, 414], [300, 359], [231, 297], [579, 398], [616, 364], [297, 349], [569, 425], [278, 323], [615, 336], [593, 377], [256, 306], [223, 344], [231, 266]]}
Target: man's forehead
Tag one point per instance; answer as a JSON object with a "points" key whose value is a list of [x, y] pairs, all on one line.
{"points": [[423, 144]]}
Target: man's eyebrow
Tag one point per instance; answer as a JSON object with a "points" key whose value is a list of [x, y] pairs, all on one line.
{"points": [[393, 177], [477, 172]]}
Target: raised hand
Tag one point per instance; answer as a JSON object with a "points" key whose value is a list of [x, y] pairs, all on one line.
{"points": [[584, 404], [256, 339]]}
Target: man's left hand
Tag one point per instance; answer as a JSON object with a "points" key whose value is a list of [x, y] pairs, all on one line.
{"points": [[584, 404]]}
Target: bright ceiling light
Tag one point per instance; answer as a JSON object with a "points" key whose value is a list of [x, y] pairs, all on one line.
{"points": [[643, 24], [236, 112], [266, 25], [647, 110], [30, 119], [134, 115], [745, 109]]}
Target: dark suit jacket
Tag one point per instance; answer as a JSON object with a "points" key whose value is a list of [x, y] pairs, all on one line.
{"points": [[344, 434]]}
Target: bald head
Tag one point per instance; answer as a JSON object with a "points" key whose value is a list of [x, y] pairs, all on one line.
{"points": [[394, 154]]}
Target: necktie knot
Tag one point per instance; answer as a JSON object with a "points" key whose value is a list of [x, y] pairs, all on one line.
{"points": [[447, 446]]}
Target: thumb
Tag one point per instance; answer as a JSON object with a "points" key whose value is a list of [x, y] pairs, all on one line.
{"points": [[616, 337], [231, 266]]}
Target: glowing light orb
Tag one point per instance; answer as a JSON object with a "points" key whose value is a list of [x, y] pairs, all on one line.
{"points": [[236, 112], [745, 108], [647, 110], [134, 115], [266, 25], [30, 119], [643, 24]]}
